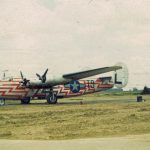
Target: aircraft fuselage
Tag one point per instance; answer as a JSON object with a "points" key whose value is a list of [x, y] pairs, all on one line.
{"points": [[13, 89]]}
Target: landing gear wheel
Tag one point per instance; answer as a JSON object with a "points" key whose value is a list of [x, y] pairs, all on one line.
{"points": [[25, 100], [2, 102], [52, 99]]}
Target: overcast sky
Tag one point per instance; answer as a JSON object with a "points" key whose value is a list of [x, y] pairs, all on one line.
{"points": [[71, 35]]}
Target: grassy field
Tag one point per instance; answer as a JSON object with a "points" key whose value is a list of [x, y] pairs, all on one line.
{"points": [[97, 116]]}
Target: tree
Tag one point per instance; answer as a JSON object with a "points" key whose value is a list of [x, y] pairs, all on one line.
{"points": [[146, 90]]}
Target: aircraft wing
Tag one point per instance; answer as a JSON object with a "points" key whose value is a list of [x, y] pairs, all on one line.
{"points": [[68, 77], [88, 73]]}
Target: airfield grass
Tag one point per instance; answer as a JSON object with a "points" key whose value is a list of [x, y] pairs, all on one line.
{"points": [[96, 116]]}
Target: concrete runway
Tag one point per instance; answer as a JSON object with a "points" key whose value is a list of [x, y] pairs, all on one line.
{"points": [[139, 142]]}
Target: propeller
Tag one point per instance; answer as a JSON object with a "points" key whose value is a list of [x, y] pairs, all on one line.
{"points": [[24, 80], [43, 77]]}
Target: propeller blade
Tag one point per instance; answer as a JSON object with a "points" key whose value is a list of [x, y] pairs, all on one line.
{"points": [[45, 72], [21, 74], [24, 80], [40, 78], [43, 77]]}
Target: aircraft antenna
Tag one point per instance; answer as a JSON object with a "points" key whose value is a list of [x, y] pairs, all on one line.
{"points": [[4, 74]]}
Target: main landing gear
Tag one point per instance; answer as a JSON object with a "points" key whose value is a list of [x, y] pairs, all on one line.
{"points": [[25, 100], [51, 97]]}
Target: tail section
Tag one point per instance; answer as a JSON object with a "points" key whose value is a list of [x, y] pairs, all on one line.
{"points": [[121, 76]]}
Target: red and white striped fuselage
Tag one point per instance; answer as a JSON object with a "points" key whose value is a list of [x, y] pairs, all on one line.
{"points": [[13, 89]]}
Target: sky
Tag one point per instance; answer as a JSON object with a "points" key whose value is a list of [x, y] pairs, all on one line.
{"points": [[73, 35]]}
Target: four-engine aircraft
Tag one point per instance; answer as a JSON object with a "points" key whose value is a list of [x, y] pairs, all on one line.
{"points": [[67, 85]]}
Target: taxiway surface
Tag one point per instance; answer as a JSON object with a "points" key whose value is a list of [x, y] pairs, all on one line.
{"points": [[138, 142]]}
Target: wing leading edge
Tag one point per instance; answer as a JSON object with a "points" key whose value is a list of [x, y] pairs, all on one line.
{"points": [[88, 73]]}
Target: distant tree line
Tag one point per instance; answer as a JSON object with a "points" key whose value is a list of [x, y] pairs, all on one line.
{"points": [[146, 90]]}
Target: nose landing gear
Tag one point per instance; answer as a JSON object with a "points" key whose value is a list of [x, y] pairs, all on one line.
{"points": [[2, 102], [25, 100]]}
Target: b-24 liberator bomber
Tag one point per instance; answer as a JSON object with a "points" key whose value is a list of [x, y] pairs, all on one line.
{"points": [[67, 85]]}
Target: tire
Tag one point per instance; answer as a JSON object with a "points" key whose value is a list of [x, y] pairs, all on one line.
{"points": [[2, 102], [25, 100], [52, 99]]}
